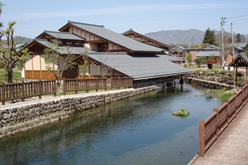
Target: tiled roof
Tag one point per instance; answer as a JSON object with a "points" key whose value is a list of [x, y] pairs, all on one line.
{"points": [[240, 46], [208, 53], [62, 49], [117, 38], [140, 66], [64, 35]]}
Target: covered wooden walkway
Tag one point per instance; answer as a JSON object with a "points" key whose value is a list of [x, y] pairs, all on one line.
{"points": [[231, 148]]}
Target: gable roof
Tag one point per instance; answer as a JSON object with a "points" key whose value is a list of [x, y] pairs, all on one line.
{"points": [[240, 46], [239, 61], [62, 35], [141, 66], [130, 31], [210, 47], [126, 42], [62, 49]]}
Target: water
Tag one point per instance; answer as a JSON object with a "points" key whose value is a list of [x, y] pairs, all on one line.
{"points": [[140, 130]]}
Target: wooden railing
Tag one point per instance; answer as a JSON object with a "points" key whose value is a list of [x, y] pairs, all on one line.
{"points": [[211, 128], [117, 82], [75, 85], [24, 90]]}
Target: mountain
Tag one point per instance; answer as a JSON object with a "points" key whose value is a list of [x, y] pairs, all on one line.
{"points": [[181, 36], [20, 40]]}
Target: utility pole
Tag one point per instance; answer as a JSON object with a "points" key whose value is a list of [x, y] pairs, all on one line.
{"points": [[222, 40], [189, 43], [232, 43]]}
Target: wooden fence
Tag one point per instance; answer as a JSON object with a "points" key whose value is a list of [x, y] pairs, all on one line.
{"points": [[211, 128], [117, 82], [24, 90], [75, 85]]}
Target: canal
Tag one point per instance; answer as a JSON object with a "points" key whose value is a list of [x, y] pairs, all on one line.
{"points": [[139, 130]]}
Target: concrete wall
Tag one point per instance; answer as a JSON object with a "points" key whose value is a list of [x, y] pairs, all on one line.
{"points": [[23, 116]]}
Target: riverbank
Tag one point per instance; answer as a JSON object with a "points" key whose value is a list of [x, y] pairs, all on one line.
{"points": [[24, 116]]}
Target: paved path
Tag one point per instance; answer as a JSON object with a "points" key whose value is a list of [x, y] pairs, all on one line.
{"points": [[231, 148]]}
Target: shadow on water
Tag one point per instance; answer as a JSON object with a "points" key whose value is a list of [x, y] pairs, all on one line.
{"points": [[139, 130]]}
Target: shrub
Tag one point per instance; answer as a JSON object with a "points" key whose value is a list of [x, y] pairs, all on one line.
{"points": [[200, 60], [181, 112]]}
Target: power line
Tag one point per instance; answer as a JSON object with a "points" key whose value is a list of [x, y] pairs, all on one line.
{"points": [[238, 16]]}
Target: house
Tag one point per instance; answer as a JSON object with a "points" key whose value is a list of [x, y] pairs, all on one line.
{"points": [[144, 39], [147, 40], [121, 55]]}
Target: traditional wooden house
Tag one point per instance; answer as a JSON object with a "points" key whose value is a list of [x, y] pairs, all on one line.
{"points": [[144, 39], [121, 55]]}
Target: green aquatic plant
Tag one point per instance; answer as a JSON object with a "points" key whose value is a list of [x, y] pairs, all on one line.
{"points": [[181, 112]]}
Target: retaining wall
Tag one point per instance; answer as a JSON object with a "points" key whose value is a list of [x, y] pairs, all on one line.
{"points": [[27, 115]]}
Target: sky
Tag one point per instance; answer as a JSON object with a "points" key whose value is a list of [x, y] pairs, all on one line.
{"points": [[34, 16]]}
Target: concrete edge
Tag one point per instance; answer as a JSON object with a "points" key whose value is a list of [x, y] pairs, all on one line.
{"points": [[194, 159]]}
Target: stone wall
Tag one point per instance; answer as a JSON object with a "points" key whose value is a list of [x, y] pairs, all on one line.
{"points": [[27, 115]]}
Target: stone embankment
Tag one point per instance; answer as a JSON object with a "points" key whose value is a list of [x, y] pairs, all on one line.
{"points": [[27, 115], [215, 79]]}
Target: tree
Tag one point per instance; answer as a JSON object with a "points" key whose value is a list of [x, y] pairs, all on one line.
{"points": [[189, 57], [55, 62], [11, 56], [200, 60], [83, 67], [103, 64], [238, 38], [209, 37]]}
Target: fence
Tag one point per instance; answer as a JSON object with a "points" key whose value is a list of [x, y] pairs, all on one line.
{"points": [[211, 128], [24, 90], [75, 85], [117, 82]]}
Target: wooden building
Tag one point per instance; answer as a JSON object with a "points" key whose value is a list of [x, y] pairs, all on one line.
{"points": [[102, 45]]}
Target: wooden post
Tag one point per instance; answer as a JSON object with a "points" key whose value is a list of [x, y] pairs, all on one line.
{"points": [[97, 84], [23, 95], [55, 87], [236, 99], [40, 89], [87, 85], [76, 86], [228, 114], [216, 110], [201, 137], [3, 102], [64, 86]]}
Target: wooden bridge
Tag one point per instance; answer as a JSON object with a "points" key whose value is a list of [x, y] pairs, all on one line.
{"points": [[223, 136]]}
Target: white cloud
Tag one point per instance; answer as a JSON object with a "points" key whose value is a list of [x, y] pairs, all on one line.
{"points": [[117, 10]]}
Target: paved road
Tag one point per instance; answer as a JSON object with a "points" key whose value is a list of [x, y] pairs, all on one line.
{"points": [[231, 148]]}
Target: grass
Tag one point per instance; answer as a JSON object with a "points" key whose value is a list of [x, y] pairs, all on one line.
{"points": [[224, 94], [181, 112]]}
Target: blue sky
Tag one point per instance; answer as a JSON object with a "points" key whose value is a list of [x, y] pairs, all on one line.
{"points": [[143, 16]]}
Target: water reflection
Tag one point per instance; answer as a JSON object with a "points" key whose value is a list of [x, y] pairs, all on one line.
{"points": [[140, 130]]}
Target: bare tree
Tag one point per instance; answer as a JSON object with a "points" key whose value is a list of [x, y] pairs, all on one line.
{"points": [[103, 64], [57, 63]]}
